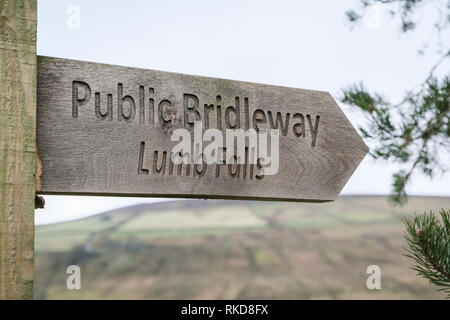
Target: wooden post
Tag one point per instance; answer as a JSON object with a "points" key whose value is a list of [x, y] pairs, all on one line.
{"points": [[18, 69]]}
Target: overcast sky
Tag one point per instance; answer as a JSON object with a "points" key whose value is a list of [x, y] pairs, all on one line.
{"points": [[303, 44]]}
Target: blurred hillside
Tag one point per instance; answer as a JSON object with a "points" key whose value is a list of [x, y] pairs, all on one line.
{"points": [[196, 249]]}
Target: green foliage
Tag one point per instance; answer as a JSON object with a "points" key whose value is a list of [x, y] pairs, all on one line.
{"points": [[406, 10], [421, 129], [428, 239], [416, 131]]}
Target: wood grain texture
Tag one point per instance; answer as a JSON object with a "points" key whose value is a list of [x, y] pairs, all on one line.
{"points": [[96, 151], [17, 145]]}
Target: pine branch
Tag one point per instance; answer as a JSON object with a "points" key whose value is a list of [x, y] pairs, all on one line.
{"points": [[415, 131], [419, 132], [428, 239]]}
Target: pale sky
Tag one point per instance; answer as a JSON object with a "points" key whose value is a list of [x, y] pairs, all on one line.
{"points": [[303, 44]]}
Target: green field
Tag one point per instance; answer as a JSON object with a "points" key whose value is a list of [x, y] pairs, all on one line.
{"points": [[196, 249]]}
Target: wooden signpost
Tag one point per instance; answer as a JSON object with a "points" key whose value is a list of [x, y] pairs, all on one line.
{"points": [[106, 130]]}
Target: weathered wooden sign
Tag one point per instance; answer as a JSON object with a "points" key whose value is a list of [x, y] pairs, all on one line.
{"points": [[106, 130]]}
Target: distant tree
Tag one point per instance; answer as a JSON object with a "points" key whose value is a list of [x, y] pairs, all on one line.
{"points": [[416, 130], [428, 239]]}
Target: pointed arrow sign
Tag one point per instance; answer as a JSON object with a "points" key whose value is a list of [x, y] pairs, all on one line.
{"points": [[111, 130]]}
